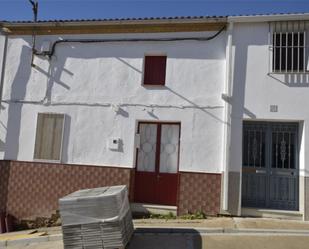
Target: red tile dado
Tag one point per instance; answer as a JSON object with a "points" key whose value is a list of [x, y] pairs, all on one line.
{"points": [[199, 192], [4, 177], [30, 189]]}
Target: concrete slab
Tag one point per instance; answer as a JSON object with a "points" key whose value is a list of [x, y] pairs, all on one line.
{"points": [[42, 245], [208, 223], [254, 242], [2, 244], [55, 237], [27, 241], [266, 223], [146, 209], [166, 241], [176, 232]]}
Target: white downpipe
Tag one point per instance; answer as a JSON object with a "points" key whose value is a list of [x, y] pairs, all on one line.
{"points": [[2, 72], [227, 129]]}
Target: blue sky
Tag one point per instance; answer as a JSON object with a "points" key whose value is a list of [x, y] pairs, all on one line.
{"points": [[88, 9]]}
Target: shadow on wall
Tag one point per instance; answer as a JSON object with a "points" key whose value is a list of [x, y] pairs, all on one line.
{"points": [[203, 109], [236, 103], [18, 91], [53, 76], [245, 110], [119, 52], [292, 79], [122, 50], [66, 139], [57, 67], [2, 146]]}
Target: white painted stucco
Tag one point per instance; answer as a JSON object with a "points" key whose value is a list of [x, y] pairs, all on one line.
{"points": [[1, 49], [256, 88], [85, 81]]}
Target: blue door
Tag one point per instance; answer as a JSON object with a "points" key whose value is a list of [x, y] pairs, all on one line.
{"points": [[270, 175]]}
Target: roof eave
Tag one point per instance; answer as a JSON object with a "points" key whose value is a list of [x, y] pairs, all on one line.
{"points": [[115, 26], [269, 18], [113, 22]]}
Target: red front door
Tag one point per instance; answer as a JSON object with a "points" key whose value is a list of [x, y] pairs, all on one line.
{"points": [[156, 178]]}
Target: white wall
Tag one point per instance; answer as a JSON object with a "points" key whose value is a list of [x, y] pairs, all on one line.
{"points": [[83, 80], [1, 49], [258, 89], [2, 126]]}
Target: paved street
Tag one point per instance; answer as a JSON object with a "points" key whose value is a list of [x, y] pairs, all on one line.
{"points": [[174, 241], [264, 236]]}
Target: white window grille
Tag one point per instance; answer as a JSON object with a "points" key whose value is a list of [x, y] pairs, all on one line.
{"points": [[289, 50]]}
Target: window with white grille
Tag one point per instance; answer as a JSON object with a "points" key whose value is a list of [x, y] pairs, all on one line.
{"points": [[289, 47], [49, 133]]}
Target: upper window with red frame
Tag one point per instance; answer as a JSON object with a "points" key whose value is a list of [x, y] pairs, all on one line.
{"points": [[154, 70]]}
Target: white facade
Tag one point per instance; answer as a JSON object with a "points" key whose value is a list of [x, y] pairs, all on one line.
{"points": [[256, 88], [211, 87], [262, 88], [99, 88]]}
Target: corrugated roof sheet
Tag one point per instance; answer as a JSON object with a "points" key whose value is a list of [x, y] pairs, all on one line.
{"points": [[122, 19], [272, 14], [153, 18]]}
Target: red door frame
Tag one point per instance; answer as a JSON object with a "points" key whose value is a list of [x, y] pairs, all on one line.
{"points": [[157, 173]]}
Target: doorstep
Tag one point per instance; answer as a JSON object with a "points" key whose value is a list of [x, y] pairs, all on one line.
{"points": [[272, 213], [145, 208]]}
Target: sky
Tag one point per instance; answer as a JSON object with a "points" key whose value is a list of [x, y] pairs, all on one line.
{"points": [[96, 9]]}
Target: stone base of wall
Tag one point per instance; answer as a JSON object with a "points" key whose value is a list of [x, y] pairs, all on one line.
{"points": [[199, 192], [233, 193], [4, 182], [306, 198], [32, 189]]}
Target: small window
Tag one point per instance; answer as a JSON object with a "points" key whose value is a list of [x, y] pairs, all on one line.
{"points": [[49, 133], [289, 53], [155, 69]]}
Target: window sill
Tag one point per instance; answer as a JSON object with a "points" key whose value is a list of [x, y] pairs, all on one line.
{"points": [[289, 72], [46, 161], [153, 85]]}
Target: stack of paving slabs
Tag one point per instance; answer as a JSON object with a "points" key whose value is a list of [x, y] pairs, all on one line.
{"points": [[96, 218]]}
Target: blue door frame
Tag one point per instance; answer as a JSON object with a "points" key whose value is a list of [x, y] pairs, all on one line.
{"points": [[270, 171]]}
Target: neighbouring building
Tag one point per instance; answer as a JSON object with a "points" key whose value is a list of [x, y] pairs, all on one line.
{"points": [[198, 114]]}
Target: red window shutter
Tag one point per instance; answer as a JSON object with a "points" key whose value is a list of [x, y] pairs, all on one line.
{"points": [[155, 68]]}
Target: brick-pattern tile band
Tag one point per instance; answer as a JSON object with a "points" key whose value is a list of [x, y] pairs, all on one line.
{"points": [[199, 192], [30, 189]]}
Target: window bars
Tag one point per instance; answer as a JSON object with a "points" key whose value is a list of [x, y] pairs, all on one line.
{"points": [[289, 50]]}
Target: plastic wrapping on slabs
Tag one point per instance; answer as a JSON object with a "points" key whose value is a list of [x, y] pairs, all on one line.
{"points": [[96, 218]]}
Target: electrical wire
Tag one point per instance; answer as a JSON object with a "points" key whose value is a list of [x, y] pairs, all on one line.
{"points": [[100, 104], [53, 48]]}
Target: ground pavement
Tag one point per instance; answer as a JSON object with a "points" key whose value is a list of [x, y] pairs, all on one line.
{"points": [[219, 233]]}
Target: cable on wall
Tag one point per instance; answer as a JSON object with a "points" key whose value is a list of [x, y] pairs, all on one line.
{"points": [[100, 104], [51, 52]]}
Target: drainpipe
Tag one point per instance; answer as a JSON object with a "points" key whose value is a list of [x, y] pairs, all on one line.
{"points": [[227, 129], [3, 32]]}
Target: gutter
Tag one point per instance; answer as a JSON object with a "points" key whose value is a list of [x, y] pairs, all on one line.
{"points": [[227, 130]]}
